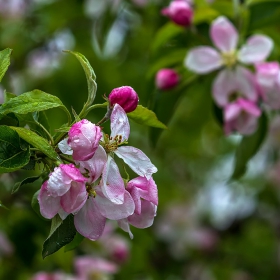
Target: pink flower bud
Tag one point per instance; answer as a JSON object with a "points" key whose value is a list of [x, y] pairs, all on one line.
{"points": [[180, 12], [166, 79], [125, 96], [84, 139]]}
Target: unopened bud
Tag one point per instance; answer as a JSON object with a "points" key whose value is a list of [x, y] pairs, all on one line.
{"points": [[180, 12], [166, 79], [125, 96]]}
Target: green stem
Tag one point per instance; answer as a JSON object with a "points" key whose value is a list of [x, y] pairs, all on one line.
{"points": [[50, 137], [236, 4], [67, 159]]}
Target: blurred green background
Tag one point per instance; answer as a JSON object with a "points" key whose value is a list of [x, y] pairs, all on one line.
{"points": [[207, 228]]}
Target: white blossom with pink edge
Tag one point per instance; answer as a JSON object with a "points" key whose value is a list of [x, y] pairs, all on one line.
{"points": [[145, 195], [241, 116], [268, 79], [112, 183], [204, 59], [64, 192]]}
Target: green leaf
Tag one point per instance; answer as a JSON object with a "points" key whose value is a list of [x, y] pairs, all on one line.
{"points": [[204, 14], [14, 153], [62, 233], [145, 116], [90, 75], [37, 141], [8, 96], [27, 119], [3, 206], [74, 243], [9, 120], [164, 34], [248, 147], [4, 61], [28, 180], [32, 101], [263, 13]]}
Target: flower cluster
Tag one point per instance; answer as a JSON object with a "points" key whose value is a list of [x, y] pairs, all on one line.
{"points": [[236, 89], [93, 189]]}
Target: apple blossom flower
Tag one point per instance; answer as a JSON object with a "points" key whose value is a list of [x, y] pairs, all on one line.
{"points": [[91, 218], [125, 96], [234, 78], [112, 183], [166, 79], [268, 79], [180, 12], [241, 116], [83, 139], [64, 192], [145, 195]]}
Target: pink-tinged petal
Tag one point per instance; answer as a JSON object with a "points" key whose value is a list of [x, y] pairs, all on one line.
{"points": [[246, 83], [249, 107], [75, 198], [49, 205], [137, 161], [124, 225], [72, 172], [231, 112], [58, 183], [64, 147], [119, 123], [224, 86], [115, 211], [267, 73], [256, 49], [146, 218], [246, 124], [112, 184], [139, 188], [89, 222], [203, 60], [95, 165], [224, 34]]}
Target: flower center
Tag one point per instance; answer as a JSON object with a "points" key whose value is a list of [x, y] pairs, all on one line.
{"points": [[229, 59], [110, 145]]}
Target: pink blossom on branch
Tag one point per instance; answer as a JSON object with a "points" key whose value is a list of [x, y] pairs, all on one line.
{"points": [[145, 196], [112, 183], [83, 139], [268, 79], [204, 59], [64, 192], [241, 116], [167, 79]]}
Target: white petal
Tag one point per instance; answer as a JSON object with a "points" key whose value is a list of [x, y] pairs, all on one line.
{"points": [[256, 49], [224, 34], [203, 60], [112, 184], [223, 86], [119, 123], [137, 161], [64, 147], [124, 225], [115, 211]]}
